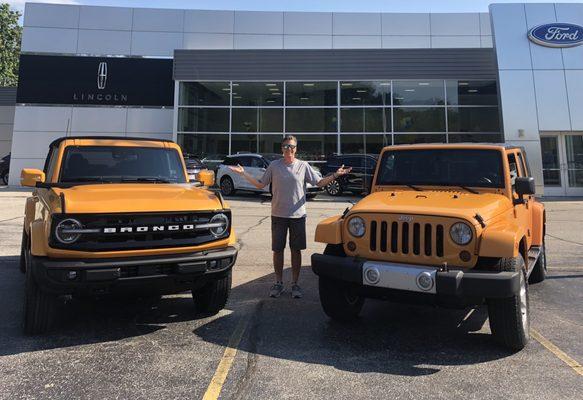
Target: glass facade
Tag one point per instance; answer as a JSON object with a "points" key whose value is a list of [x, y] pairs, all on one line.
{"points": [[219, 118]]}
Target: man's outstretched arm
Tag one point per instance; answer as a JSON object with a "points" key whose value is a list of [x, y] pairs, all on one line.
{"points": [[328, 179], [241, 171]]}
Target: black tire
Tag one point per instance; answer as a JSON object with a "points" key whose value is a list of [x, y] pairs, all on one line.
{"points": [[339, 300], [39, 306], [509, 318], [539, 271], [23, 246], [4, 177], [227, 186], [212, 298], [334, 188]]}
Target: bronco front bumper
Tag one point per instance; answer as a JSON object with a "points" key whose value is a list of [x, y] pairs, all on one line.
{"points": [[416, 278], [160, 274]]}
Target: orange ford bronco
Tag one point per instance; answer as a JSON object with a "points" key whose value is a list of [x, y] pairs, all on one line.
{"points": [[455, 225], [118, 215]]}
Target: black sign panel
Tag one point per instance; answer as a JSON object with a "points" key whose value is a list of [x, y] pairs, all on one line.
{"points": [[95, 81]]}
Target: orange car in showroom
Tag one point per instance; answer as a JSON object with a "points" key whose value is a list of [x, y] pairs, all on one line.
{"points": [[455, 225], [118, 215]]}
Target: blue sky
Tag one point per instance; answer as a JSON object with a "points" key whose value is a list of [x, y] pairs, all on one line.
{"points": [[302, 5]]}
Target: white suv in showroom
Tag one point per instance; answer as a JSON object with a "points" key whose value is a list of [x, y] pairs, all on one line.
{"points": [[255, 165]]}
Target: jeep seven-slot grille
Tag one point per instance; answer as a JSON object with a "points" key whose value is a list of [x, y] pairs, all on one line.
{"points": [[136, 240], [407, 238]]}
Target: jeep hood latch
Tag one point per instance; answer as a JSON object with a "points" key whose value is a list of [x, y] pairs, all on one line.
{"points": [[480, 220]]}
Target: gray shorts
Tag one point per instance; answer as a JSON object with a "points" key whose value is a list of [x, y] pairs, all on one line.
{"points": [[297, 233]]}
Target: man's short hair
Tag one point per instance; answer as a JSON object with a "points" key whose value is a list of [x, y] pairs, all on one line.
{"points": [[287, 138]]}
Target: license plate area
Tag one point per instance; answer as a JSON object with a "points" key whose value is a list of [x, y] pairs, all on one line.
{"points": [[399, 276]]}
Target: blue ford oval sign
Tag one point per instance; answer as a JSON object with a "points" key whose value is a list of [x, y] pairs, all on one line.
{"points": [[557, 35]]}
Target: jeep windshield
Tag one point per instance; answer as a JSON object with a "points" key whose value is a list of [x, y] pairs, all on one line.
{"points": [[442, 167], [119, 164]]}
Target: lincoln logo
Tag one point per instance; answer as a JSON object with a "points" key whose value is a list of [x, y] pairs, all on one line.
{"points": [[101, 75], [557, 35]]}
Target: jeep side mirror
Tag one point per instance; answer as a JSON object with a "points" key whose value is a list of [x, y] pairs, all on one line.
{"points": [[30, 177], [524, 185]]}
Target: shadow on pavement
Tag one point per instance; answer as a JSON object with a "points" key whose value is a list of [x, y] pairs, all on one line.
{"points": [[388, 338]]}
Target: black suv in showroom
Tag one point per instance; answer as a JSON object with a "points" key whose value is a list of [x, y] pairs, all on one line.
{"points": [[358, 180]]}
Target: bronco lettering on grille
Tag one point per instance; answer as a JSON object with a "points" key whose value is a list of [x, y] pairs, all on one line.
{"points": [[156, 228]]}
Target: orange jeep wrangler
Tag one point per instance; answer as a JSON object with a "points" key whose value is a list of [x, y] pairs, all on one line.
{"points": [[118, 215], [454, 225]]}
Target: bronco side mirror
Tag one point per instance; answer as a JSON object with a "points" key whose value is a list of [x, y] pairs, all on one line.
{"points": [[30, 177], [206, 177]]}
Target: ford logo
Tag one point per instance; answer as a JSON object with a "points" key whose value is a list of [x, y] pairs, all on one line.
{"points": [[557, 35]]}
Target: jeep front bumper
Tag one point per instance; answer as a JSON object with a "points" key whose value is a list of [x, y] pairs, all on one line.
{"points": [[406, 278], [161, 274]]}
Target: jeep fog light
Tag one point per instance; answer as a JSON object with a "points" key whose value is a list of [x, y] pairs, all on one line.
{"points": [[356, 227], [372, 275], [220, 223], [65, 230], [460, 233], [425, 281]]}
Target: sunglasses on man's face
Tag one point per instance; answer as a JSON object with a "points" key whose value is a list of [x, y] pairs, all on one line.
{"points": [[288, 146]]}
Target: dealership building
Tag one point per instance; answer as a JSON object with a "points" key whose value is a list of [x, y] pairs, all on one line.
{"points": [[222, 82]]}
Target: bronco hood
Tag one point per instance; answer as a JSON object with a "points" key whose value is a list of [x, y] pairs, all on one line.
{"points": [[433, 202], [139, 197]]}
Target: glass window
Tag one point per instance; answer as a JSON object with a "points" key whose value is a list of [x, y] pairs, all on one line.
{"points": [[472, 93], [243, 143], [311, 93], [418, 93], [245, 161], [270, 144], [475, 138], [418, 119], [205, 146], [413, 138], [311, 120], [205, 93], [513, 166], [316, 147], [257, 93], [363, 120], [473, 119], [257, 120], [257, 162], [365, 93], [364, 144], [203, 120]]}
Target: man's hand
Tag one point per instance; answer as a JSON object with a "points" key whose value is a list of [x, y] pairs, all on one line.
{"points": [[342, 171], [238, 169]]}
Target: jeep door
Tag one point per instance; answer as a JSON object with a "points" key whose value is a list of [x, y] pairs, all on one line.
{"points": [[523, 211]]}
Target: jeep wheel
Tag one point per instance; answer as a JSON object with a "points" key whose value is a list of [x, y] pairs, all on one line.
{"points": [[334, 188], [509, 318], [339, 301], [227, 186], [212, 298], [39, 307], [539, 271]]}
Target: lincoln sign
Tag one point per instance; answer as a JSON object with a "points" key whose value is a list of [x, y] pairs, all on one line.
{"points": [[557, 35]]}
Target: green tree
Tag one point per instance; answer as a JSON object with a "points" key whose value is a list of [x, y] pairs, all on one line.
{"points": [[10, 34]]}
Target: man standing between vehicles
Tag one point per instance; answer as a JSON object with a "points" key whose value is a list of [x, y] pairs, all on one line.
{"points": [[288, 177]]}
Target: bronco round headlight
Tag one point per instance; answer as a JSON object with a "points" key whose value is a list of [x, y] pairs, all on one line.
{"points": [[460, 233], [220, 224], [356, 227], [65, 230]]}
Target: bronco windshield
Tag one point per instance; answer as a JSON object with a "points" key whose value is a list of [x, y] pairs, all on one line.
{"points": [[442, 167], [115, 164]]}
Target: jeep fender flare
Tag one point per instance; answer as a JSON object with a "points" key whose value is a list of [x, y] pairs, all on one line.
{"points": [[501, 240], [538, 224], [329, 230]]}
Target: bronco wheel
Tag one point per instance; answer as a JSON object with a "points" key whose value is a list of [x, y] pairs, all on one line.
{"points": [[509, 318], [227, 186], [539, 271], [334, 188], [24, 245], [212, 298], [39, 307], [339, 301]]}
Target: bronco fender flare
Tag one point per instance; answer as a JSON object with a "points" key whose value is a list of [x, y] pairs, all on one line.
{"points": [[501, 240], [329, 230], [38, 238]]}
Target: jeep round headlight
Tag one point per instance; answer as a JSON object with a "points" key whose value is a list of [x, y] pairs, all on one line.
{"points": [[64, 228], [356, 227], [461, 233], [220, 223]]}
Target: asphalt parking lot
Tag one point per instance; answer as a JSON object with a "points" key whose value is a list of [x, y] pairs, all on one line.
{"points": [[287, 348]]}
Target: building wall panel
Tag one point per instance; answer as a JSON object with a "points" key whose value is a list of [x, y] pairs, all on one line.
{"points": [[551, 99], [99, 120], [406, 42], [42, 119], [101, 42], [510, 28], [108, 18], [156, 44], [405, 24], [258, 41], [574, 81], [451, 24], [149, 120], [158, 20], [307, 41], [357, 24], [542, 57], [304, 23], [208, 41], [356, 42], [49, 40], [51, 15], [453, 42], [259, 22]]}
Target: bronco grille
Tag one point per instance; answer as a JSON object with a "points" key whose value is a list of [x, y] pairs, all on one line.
{"points": [[117, 232], [407, 238]]}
